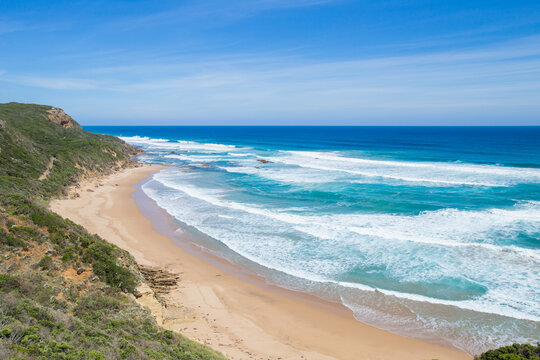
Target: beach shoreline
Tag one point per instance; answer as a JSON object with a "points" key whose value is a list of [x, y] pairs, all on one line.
{"points": [[217, 303]]}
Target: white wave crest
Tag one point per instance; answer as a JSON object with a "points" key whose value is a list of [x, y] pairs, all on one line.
{"points": [[412, 171], [344, 240], [181, 145]]}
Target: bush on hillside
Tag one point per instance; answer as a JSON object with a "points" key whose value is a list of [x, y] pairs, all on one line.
{"points": [[513, 352]]}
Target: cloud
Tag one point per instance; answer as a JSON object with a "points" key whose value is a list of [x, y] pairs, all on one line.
{"points": [[57, 83], [12, 26], [510, 63], [500, 79], [213, 13]]}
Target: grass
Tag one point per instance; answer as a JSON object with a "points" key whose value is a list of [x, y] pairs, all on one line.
{"points": [[43, 313], [46, 311], [36, 324], [28, 142]]}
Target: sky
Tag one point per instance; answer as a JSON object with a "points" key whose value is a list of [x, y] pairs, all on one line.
{"points": [[275, 62]]}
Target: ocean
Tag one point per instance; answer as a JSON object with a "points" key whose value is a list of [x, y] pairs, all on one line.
{"points": [[431, 232]]}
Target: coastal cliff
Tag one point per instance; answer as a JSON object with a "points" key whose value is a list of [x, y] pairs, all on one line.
{"points": [[43, 151], [58, 116], [65, 293], [69, 294]]}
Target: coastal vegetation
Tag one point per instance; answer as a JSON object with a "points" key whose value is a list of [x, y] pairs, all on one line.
{"points": [[43, 151], [513, 352], [65, 293]]}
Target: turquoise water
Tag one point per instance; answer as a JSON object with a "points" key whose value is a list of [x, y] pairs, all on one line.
{"points": [[429, 232]]}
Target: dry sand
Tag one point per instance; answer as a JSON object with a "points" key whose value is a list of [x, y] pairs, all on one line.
{"points": [[243, 319]]}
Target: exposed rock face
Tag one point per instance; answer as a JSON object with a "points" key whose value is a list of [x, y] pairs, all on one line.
{"points": [[160, 280], [58, 116]]}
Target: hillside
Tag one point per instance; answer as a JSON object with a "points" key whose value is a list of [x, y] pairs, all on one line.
{"points": [[43, 150], [64, 293]]}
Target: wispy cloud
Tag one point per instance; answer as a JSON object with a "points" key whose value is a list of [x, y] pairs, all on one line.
{"points": [[484, 80], [56, 83], [13, 26], [212, 13]]}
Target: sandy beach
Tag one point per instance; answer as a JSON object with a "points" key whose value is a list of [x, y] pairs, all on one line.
{"points": [[242, 319]]}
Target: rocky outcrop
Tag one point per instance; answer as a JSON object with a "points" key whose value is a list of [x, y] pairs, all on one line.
{"points": [[58, 116], [161, 281]]}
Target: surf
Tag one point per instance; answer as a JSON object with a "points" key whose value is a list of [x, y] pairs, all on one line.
{"points": [[435, 242]]}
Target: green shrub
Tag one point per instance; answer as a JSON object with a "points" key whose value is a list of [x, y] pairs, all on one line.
{"points": [[27, 233], [28, 142], [10, 240], [103, 257], [42, 217], [68, 256], [8, 282], [513, 352], [86, 322], [97, 326], [46, 263]]}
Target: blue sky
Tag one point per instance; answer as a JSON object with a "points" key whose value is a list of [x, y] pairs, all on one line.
{"points": [[240, 62]]}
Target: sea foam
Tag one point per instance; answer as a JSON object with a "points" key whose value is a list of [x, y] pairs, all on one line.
{"points": [[437, 249]]}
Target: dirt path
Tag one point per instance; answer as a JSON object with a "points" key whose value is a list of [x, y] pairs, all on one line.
{"points": [[48, 170]]}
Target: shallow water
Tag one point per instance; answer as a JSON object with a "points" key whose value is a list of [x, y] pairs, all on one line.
{"points": [[430, 232]]}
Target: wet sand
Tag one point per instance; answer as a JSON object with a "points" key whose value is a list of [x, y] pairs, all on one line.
{"points": [[221, 305]]}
